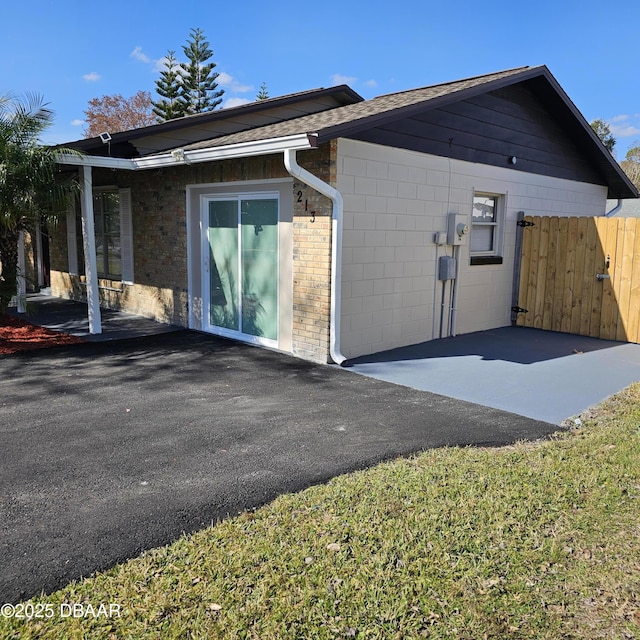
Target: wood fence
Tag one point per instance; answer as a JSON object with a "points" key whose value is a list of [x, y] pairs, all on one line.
{"points": [[582, 276]]}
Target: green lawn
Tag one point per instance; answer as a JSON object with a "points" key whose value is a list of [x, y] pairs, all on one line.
{"points": [[535, 540]]}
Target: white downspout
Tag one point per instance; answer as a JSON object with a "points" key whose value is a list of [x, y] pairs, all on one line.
{"points": [[89, 244], [336, 246]]}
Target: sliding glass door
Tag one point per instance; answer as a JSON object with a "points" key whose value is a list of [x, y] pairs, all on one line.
{"points": [[241, 272]]}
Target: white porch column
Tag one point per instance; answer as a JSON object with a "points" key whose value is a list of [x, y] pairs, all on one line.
{"points": [[21, 305], [39, 256], [89, 244]]}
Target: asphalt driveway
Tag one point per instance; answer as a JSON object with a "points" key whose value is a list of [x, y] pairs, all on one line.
{"points": [[112, 448]]}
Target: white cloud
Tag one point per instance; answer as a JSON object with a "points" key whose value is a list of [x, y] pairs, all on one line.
{"points": [[137, 54], [624, 131], [160, 65], [235, 102], [91, 77], [230, 84], [157, 66], [338, 78], [76, 123], [371, 83], [624, 125]]}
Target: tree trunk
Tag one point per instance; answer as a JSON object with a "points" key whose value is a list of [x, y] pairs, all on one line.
{"points": [[8, 266]]}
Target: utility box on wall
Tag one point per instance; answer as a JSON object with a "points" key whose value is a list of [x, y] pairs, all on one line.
{"points": [[446, 268], [457, 229]]}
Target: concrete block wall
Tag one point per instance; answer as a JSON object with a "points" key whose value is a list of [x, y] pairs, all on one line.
{"points": [[395, 201]]}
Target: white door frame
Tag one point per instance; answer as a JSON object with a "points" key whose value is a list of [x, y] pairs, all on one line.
{"points": [[205, 199]]}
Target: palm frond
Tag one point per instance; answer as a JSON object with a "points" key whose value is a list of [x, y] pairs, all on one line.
{"points": [[31, 187]]}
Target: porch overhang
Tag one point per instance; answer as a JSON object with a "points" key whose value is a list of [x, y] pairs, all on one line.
{"points": [[179, 156], [172, 158]]}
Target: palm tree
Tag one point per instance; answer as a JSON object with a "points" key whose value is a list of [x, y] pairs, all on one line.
{"points": [[31, 188]]}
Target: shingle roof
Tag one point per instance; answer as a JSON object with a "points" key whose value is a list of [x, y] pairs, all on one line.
{"points": [[341, 93], [350, 115], [353, 119]]}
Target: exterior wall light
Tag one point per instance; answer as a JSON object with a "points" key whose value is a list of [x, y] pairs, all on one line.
{"points": [[177, 155]]}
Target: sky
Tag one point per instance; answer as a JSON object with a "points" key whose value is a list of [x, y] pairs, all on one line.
{"points": [[71, 51]]}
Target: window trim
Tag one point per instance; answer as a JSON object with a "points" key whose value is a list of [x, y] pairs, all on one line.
{"points": [[72, 241], [74, 235], [476, 260], [99, 213], [126, 237], [205, 266], [493, 256]]}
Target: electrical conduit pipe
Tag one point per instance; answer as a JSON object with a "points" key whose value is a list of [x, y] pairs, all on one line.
{"points": [[327, 190], [454, 294]]}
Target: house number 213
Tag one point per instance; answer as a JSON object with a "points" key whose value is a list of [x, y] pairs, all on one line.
{"points": [[306, 206]]}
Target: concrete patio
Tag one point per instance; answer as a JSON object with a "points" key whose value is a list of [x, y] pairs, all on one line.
{"points": [[539, 374], [72, 317]]}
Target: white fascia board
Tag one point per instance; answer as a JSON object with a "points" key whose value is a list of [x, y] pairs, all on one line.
{"points": [[239, 150], [95, 161]]}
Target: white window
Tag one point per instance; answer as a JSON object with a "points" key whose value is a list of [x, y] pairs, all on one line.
{"points": [[486, 228], [113, 235], [106, 216]]}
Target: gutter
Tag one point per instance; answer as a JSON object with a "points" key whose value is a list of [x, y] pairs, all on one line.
{"points": [[96, 161], [327, 190], [178, 157]]}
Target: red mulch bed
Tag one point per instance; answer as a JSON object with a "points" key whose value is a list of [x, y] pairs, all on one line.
{"points": [[17, 335]]}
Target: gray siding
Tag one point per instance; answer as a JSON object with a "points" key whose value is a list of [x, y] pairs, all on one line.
{"points": [[489, 129]]}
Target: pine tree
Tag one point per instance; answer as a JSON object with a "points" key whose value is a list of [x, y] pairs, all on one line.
{"points": [[263, 94], [199, 87], [603, 131], [169, 88]]}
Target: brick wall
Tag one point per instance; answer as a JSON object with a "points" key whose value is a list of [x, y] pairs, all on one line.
{"points": [[159, 247], [160, 289], [312, 258]]}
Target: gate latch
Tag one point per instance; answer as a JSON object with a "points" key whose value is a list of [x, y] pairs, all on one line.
{"points": [[517, 309], [525, 223], [603, 276]]}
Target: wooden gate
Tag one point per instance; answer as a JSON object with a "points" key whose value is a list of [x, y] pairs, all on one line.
{"points": [[582, 276]]}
